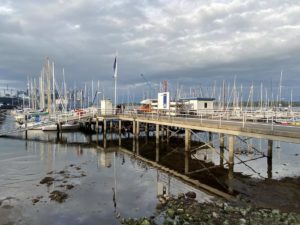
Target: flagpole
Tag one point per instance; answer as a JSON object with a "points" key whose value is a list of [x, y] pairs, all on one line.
{"points": [[115, 79], [115, 93]]}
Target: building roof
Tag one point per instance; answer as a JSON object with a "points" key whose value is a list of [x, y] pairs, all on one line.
{"points": [[197, 98]]}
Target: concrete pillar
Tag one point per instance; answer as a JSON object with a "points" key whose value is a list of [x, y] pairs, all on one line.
{"points": [[120, 127], [134, 128], [104, 140], [147, 132], [186, 161], [162, 128], [231, 143], [137, 129], [26, 131], [210, 137], [120, 141], [168, 134], [157, 152], [133, 144], [137, 147], [222, 147], [230, 179], [110, 126], [187, 139], [270, 148], [146, 129], [104, 127], [157, 133], [269, 159], [97, 125]]}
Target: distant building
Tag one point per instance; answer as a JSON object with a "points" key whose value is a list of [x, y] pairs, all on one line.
{"points": [[199, 104]]}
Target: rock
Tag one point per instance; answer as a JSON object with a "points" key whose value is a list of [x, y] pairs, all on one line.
{"points": [[180, 196], [35, 200], [160, 206], [58, 196], [190, 194], [242, 221], [225, 222], [180, 211], [171, 213], [215, 215], [69, 186], [162, 200], [167, 222], [145, 222], [243, 212], [47, 180], [275, 211], [219, 204]]}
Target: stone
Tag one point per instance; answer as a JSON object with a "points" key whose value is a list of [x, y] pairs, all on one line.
{"points": [[190, 194], [58, 196], [242, 221], [243, 212], [180, 195], [171, 213], [162, 200], [215, 215], [47, 180], [275, 211], [145, 222], [180, 211]]}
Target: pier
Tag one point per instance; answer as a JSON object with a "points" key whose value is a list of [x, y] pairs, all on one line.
{"points": [[220, 132]]}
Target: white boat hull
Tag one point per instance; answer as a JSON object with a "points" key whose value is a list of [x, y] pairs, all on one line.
{"points": [[64, 127]]}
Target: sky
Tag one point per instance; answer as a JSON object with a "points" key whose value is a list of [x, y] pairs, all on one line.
{"points": [[191, 44]]}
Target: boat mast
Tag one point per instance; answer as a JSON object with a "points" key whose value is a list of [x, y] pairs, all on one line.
{"points": [[53, 85], [47, 66]]}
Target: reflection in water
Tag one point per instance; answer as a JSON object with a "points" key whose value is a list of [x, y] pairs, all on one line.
{"points": [[128, 181]]}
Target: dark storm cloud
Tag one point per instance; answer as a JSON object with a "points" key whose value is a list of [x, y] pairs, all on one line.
{"points": [[182, 41]]}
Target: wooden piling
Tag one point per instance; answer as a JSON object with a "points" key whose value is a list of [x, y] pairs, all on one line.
{"points": [[231, 143], [269, 158], [187, 139], [222, 147], [157, 133]]}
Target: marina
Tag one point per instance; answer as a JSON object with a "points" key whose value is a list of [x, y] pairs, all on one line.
{"points": [[149, 112]]}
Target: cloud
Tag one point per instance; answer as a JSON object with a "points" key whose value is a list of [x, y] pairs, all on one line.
{"points": [[175, 40]]}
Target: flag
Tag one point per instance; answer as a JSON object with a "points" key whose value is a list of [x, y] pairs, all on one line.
{"points": [[115, 67]]}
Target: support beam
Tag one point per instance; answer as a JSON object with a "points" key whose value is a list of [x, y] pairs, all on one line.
{"points": [[133, 128], [137, 129], [157, 133], [231, 143], [222, 147], [186, 161], [97, 125], [104, 127], [110, 126], [210, 137], [270, 148], [147, 129], [269, 159], [187, 139], [120, 127], [168, 134], [26, 130]]}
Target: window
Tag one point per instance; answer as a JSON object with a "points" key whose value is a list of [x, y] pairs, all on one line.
{"points": [[205, 105]]}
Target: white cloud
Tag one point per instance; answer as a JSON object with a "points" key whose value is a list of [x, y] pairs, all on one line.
{"points": [[153, 37]]}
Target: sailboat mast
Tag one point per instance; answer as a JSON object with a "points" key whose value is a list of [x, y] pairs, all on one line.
{"points": [[53, 85]]}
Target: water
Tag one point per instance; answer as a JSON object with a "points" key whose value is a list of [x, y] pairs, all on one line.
{"points": [[24, 163], [136, 183]]}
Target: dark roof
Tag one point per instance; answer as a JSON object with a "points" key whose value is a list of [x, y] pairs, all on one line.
{"points": [[196, 98]]}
